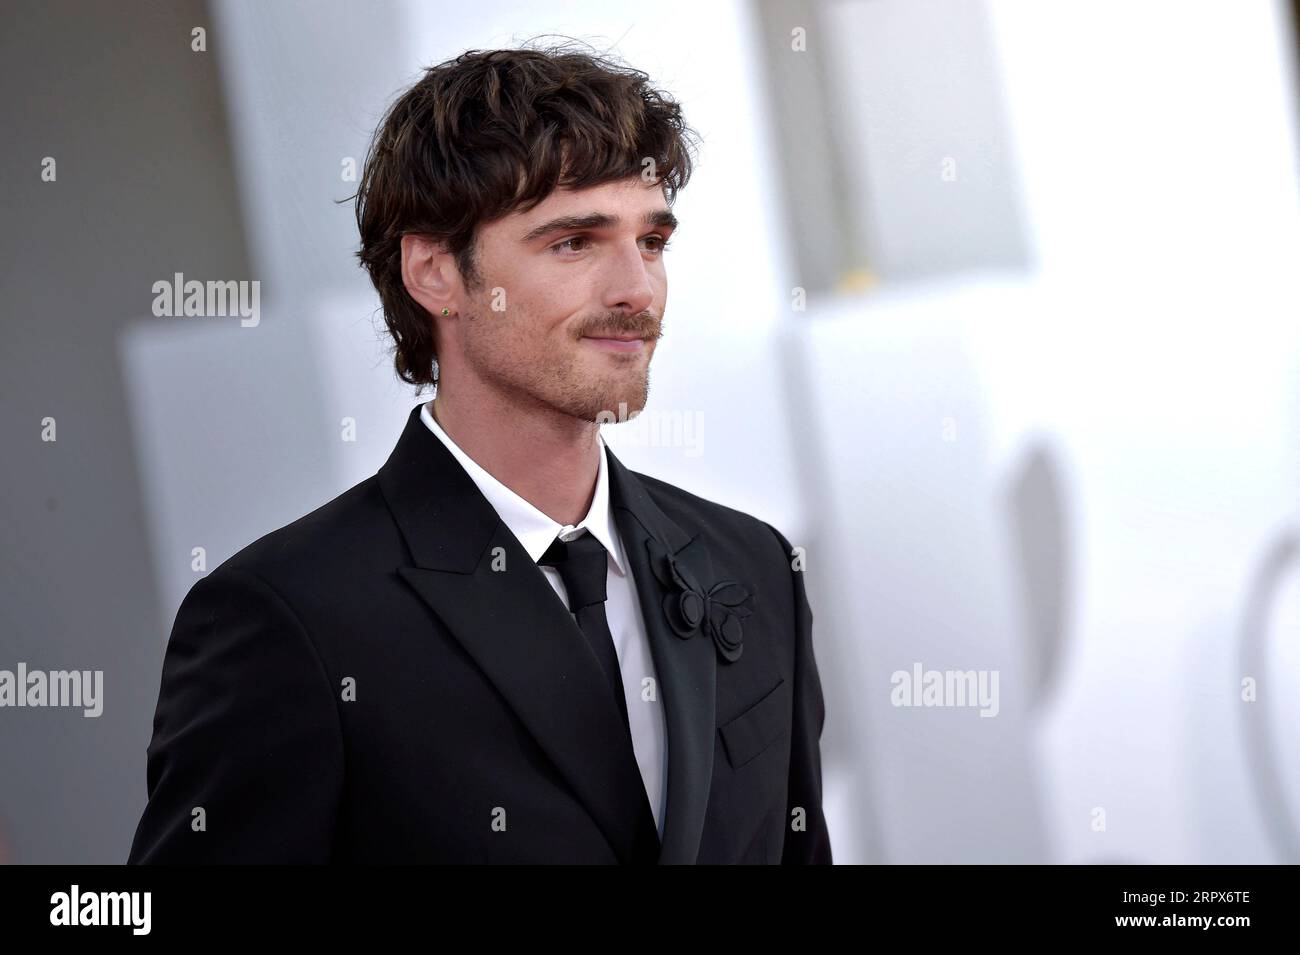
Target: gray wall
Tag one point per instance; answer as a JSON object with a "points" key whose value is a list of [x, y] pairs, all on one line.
{"points": [[144, 188]]}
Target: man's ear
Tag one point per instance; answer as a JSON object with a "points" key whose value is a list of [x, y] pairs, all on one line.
{"points": [[429, 273]]}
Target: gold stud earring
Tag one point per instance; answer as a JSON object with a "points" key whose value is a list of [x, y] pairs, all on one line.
{"points": [[446, 311]]}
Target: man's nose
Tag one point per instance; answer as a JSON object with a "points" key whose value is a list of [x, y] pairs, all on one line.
{"points": [[628, 285]]}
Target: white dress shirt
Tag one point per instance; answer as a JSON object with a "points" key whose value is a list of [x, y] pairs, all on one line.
{"points": [[535, 532]]}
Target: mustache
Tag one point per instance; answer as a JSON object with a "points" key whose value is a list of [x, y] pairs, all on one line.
{"points": [[642, 326]]}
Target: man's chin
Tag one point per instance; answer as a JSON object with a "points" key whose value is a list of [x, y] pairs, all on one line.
{"points": [[615, 405], [602, 398], [616, 412]]}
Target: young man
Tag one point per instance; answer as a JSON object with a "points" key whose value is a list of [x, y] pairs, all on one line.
{"points": [[505, 646]]}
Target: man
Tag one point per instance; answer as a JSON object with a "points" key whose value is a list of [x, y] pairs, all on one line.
{"points": [[505, 646]]}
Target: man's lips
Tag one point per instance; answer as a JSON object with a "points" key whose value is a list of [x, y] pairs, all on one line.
{"points": [[626, 343]]}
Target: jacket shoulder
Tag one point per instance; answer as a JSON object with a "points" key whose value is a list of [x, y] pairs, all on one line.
{"points": [[722, 524], [324, 542]]}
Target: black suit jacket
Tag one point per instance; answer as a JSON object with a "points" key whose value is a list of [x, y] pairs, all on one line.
{"points": [[391, 678]]}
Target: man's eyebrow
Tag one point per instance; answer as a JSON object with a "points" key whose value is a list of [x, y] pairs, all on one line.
{"points": [[596, 220]]}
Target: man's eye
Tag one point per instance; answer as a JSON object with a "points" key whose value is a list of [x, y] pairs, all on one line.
{"points": [[561, 246], [658, 244]]}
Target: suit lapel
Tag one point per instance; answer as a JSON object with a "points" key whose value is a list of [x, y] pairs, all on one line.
{"points": [[476, 576], [686, 668], [511, 622]]}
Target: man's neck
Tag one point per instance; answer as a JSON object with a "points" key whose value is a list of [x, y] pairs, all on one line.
{"points": [[549, 459]]}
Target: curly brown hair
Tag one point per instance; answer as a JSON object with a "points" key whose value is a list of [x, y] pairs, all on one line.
{"points": [[492, 132]]}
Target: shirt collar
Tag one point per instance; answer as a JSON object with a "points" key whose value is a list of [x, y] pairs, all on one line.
{"points": [[535, 530]]}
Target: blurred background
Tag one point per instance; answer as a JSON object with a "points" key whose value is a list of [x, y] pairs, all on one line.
{"points": [[991, 306]]}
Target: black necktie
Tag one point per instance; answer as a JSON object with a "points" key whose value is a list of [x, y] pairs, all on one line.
{"points": [[583, 564]]}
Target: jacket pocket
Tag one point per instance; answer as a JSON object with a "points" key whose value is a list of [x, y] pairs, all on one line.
{"points": [[758, 727]]}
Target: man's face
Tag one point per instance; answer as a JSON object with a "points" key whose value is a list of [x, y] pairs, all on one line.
{"points": [[557, 283]]}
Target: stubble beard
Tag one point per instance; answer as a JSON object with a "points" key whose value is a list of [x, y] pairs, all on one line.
{"points": [[558, 377]]}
